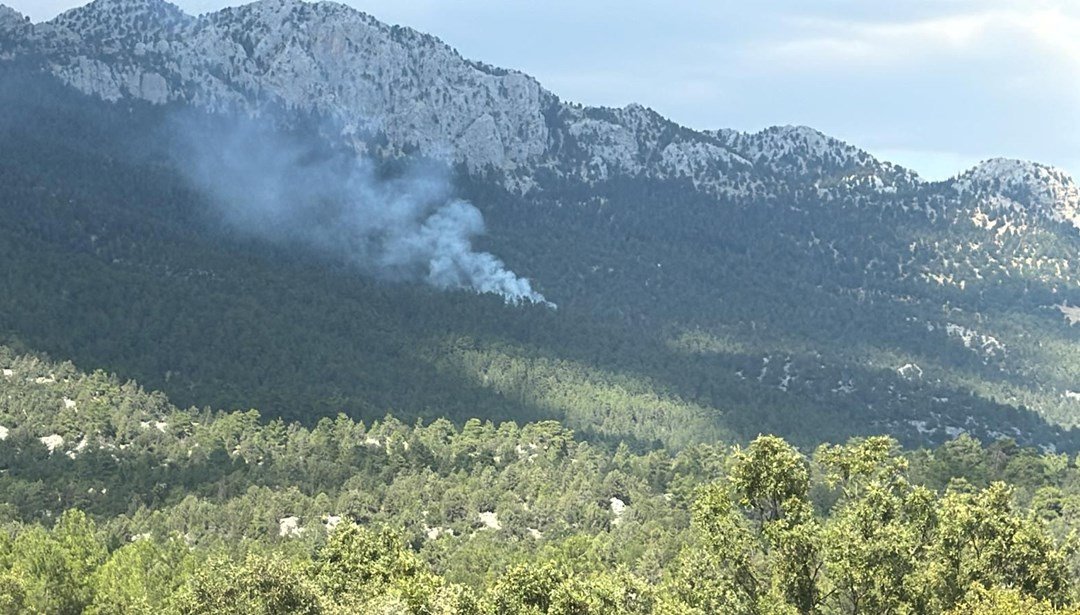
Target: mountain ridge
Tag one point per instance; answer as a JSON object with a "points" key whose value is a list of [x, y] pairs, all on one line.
{"points": [[726, 279], [510, 123]]}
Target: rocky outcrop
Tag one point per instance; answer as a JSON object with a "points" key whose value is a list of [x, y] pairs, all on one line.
{"points": [[417, 94]]}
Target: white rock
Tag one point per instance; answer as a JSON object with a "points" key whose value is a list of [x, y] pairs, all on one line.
{"points": [[954, 432], [618, 507], [922, 427], [490, 520], [73, 453], [154, 88], [1006, 184], [1071, 313], [289, 527], [52, 442], [846, 388], [910, 371]]}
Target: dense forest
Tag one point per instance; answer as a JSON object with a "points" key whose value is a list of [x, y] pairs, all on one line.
{"points": [[116, 501], [681, 318]]}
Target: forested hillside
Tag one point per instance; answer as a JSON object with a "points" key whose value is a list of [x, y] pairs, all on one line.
{"points": [[672, 328], [305, 313], [116, 501]]}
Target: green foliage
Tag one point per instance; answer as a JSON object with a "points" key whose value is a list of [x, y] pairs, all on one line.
{"points": [[684, 317], [57, 566], [717, 573], [146, 508], [550, 588], [981, 540], [259, 585], [138, 578], [769, 474], [13, 590], [357, 565], [1001, 601]]}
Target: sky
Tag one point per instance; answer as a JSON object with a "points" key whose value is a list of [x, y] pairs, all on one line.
{"points": [[934, 85]]}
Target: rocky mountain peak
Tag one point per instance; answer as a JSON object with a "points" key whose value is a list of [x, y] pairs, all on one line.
{"points": [[290, 12], [778, 142], [10, 15], [115, 25], [14, 29], [419, 95], [1024, 186], [805, 153], [416, 91], [12, 22]]}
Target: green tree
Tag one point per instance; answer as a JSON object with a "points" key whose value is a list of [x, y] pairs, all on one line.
{"points": [[59, 564], [260, 585], [358, 564], [139, 577], [1002, 601], [768, 474], [980, 540], [717, 572]]}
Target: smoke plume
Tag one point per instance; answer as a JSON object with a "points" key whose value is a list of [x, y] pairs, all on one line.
{"points": [[290, 190]]}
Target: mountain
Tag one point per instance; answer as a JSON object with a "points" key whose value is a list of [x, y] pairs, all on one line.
{"points": [[1018, 185], [415, 90], [711, 284]]}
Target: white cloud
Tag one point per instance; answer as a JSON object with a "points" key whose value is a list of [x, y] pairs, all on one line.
{"points": [[847, 44]]}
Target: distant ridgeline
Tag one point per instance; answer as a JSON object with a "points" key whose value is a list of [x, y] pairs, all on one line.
{"points": [[113, 500], [386, 237], [683, 316]]}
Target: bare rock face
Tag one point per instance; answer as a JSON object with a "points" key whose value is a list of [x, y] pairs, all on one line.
{"points": [[52, 442], [419, 95], [289, 527], [317, 57], [1022, 186], [378, 79], [15, 31], [12, 22]]}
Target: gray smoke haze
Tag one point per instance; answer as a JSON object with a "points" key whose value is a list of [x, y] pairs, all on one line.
{"points": [[286, 190]]}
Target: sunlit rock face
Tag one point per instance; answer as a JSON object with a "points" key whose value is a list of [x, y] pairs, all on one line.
{"points": [[1024, 186]]}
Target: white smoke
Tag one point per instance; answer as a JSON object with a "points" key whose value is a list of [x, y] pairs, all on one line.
{"points": [[290, 190]]}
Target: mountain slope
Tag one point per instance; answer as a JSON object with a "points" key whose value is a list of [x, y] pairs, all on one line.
{"points": [[111, 497], [711, 284]]}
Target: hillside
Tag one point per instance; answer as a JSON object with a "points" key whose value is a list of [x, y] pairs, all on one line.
{"points": [[114, 500], [710, 284], [302, 312]]}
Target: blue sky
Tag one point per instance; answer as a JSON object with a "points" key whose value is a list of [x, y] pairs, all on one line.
{"points": [[936, 85]]}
